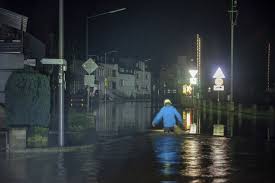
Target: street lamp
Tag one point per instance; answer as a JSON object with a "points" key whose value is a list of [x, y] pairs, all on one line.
{"points": [[92, 17]]}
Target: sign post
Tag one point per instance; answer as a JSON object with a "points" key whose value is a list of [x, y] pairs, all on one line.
{"points": [[62, 63], [89, 66], [218, 76]]}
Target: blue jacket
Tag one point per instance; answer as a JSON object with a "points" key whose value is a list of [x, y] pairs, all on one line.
{"points": [[168, 114]]}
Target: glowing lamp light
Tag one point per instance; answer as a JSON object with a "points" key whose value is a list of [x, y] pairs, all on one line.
{"points": [[187, 90]]}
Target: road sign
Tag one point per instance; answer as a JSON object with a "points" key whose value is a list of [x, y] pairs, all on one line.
{"points": [[219, 74], [90, 66], [193, 129], [89, 80], [53, 61], [218, 88], [30, 62], [218, 81], [193, 73], [193, 81]]}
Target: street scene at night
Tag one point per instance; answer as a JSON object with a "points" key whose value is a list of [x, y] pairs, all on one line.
{"points": [[105, 91]]}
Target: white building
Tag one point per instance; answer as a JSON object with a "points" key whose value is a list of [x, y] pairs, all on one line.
{"points": [[142, 80], [126, 82], [123, 82]]}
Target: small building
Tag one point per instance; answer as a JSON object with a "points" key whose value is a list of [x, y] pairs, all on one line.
{"points": [[17, 47]]}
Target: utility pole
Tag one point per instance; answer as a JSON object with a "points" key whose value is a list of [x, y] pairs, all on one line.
{"points": [[198, 43], [61, 75], [233, 19], [268, 68]]}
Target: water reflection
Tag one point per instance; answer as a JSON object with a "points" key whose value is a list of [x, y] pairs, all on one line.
{"points": [[61, 172], [167, 150], [122, 116], [234, 125], [192, 158], [220, 157]]}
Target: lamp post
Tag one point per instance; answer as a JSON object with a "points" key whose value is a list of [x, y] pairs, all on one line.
{"points": [[87, 25], [61, 74]]}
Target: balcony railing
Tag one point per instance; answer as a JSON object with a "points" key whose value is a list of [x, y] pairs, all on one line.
{"points": [[13, 46]]}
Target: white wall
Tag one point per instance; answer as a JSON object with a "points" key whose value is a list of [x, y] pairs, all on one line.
{"points": [[126, 84]]}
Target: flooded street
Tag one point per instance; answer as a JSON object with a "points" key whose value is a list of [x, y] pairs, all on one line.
{"points": [[126, 150]]}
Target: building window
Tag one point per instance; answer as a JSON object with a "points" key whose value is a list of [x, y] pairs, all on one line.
{"points": [[146, 76], [137, 76], [114, 73]]}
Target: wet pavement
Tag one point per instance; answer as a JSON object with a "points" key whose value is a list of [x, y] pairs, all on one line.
{"points": [[141, 155]]}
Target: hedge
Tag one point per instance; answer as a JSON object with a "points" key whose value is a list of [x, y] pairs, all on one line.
{"points": [[28, 99]]}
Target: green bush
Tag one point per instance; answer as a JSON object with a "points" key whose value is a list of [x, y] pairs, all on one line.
{"points": [[37, 137], [28, 99], [79, 121]]}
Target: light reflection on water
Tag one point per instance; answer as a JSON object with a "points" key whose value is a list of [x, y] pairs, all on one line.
{"points": [[193, 158]]}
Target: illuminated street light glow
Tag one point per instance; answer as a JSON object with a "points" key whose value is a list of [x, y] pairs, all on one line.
{"points": [[187, 89]]}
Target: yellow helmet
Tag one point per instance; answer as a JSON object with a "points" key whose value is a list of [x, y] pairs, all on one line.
{"points": [[167, 101]]}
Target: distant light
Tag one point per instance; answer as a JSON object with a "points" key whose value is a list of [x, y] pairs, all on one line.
{"points": [[187, 90], [188, 120]]}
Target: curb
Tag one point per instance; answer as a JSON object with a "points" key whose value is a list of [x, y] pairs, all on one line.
{"points": [[53, 149]]}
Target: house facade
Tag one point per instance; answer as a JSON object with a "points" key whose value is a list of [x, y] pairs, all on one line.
{"points": [[122, 81]]}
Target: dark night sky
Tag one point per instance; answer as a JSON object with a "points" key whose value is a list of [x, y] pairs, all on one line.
{"points": [[161, 30]]}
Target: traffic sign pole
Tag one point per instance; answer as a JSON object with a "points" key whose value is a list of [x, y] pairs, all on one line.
{"points": [[88, 98], [90, 66]]}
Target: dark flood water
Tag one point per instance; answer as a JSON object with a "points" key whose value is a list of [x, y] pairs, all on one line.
{"points": [[125, 150]]}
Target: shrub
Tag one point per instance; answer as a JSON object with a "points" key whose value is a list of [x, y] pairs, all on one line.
{"points": [[37, 137], [28, 99], [80, 121]]}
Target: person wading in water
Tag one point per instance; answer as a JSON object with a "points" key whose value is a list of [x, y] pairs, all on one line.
{"points": [[169, 115]]}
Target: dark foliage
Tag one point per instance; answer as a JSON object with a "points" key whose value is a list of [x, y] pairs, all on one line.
{"points": [[28, 99]]}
